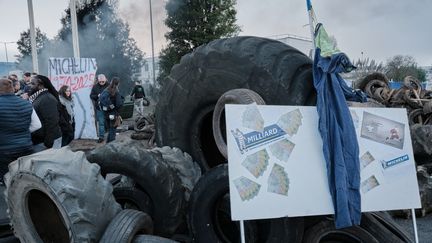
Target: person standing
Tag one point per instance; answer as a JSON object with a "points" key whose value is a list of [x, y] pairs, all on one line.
{"points": [[66, 100], [113, 106], [138, 95], [94, 96], [17, 88], [45, 101], [15, 120]]}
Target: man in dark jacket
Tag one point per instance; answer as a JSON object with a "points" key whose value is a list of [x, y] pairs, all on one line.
{"points": [[45, 101], [138, 95], [15, 118], [94, 96]]}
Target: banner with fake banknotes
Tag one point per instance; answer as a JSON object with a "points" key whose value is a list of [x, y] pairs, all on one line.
{"points": [[277, 169]]}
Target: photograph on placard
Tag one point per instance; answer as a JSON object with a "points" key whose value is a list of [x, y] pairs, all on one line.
{"points": [[369, 184], [366, 159], [383, 130]]}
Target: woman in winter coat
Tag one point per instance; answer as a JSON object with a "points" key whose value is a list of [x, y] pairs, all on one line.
{"points": [[112, 114], [66, 100]]}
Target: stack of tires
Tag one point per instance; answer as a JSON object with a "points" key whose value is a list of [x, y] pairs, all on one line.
{"points": [[190, 116], [58, 196]]}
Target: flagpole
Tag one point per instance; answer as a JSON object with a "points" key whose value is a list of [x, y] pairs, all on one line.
{"points": [[311, 25]]}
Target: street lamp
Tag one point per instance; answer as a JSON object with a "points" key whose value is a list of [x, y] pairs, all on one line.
{"points": [[5, 45], [152, 43]]}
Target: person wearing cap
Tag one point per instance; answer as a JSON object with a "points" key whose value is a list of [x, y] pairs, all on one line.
{"points": [[97, 89], [45, 101]]}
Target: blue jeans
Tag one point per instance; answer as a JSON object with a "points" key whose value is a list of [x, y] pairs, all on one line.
{"points": [[100, 116], [111, 129]]}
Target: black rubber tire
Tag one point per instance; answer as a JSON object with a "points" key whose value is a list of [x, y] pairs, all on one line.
{"points": [[133, 198], [141, 135], [209, 213], [234, 96], [186, 169], [152, 174], [422, 143], [126, 225], [140, 124], [58, 196], [373, 76], [412, 83], [325, 231], [386, 219], [378, 230], [275, 230], [151, 239], [9, 239], [280, 74], [415, 115]]}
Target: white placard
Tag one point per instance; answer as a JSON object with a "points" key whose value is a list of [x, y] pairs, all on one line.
{"points": [[79, 74], [277, 168]]}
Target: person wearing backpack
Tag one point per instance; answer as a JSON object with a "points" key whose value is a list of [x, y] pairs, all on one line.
{"points": [[110, 102], [138, 96], [94, 96]]}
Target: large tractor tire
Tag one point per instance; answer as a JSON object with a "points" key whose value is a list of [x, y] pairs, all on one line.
{"points": [[58, 196], [152, 175], [280, 74], [186, 169]]}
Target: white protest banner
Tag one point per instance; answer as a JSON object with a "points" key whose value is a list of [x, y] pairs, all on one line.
{"points": [[79, 74], [277, 168]]}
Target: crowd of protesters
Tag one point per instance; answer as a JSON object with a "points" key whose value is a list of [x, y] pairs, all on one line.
{"points": [[35, 116]]}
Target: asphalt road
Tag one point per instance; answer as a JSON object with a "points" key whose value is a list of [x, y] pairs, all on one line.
{"points": [[424, 227]]}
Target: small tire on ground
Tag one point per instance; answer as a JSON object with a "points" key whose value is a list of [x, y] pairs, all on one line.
{"points": [[153, 176], [58, 196], [325, 231], [280, 74], [126, 225], [151, 239], [234, 96], [140, 124]]}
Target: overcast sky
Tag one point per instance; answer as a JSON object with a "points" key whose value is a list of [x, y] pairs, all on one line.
{"points": [[378, 28]]}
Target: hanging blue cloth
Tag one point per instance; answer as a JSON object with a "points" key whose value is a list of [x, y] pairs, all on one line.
{"points": [[337, 130]]}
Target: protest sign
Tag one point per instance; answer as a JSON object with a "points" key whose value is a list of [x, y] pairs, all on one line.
{"points": [[79, 74], [277, 168]]}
